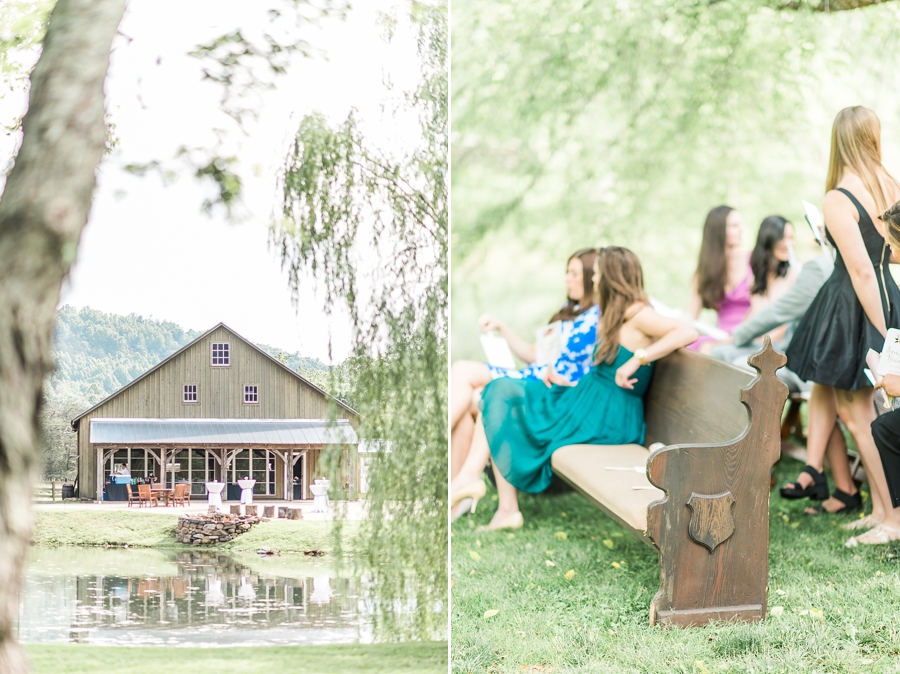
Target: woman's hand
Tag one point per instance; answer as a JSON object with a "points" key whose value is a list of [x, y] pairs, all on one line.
{"points": [[551, 377], [625, 372], [487, 323], [890, 384]]}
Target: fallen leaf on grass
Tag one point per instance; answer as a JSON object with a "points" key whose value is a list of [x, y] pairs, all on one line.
{"points": [[491, 613], [781, 592], [608, 543], [570, 574], [616, 565], [549, 563], [561, 535], [817, 613], [776, 610], [474, 555]]}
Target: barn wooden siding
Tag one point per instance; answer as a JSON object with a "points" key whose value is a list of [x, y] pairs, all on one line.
{"points": [[220, 390]]}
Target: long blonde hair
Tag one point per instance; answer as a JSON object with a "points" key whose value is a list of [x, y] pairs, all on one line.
{"points": [[620, 284], [856, 145]]}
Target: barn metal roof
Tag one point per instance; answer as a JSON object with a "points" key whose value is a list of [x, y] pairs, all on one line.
{"points": [[244, 432]]}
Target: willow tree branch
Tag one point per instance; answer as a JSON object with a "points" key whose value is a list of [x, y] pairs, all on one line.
{"points": [[831, 5], [42, 213]]}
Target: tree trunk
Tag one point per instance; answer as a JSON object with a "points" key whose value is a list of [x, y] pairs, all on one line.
{"points": [[43, 210]]}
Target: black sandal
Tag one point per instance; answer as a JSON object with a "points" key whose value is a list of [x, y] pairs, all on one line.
{"points": [[817, 491], [852, 504]]}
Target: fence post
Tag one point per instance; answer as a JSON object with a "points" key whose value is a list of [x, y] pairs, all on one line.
{"points": [[53, 490]]}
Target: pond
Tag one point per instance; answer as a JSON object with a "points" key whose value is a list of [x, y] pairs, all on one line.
{"points": [[154, 598]]}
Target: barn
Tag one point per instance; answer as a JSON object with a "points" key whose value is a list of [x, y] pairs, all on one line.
{"points": [[220, 408]]}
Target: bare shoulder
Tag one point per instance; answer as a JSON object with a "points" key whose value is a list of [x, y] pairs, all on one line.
{"points": [[837, 207]]}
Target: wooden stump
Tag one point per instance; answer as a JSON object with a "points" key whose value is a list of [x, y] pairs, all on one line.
{"points": [[235, 509], [250, 510], [290, 513], [268, 511]]}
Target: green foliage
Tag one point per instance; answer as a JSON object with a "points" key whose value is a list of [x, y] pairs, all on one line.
{"points": [[834, 613], [586, 123], [345, 205]]}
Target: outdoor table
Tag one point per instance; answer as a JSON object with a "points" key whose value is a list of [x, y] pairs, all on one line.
{"points": [[325, 482], [247, 491], [162, 492], [320, 500], [117, 492], [214, 490]]}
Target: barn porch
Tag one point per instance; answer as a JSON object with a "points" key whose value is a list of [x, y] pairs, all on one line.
{"points": [[272, 451]]}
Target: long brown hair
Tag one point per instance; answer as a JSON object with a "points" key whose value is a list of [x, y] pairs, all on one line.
{"points": [[712, 268], [891, 220], [620, 284], [856, 145], [762, 260], [571, 309]]}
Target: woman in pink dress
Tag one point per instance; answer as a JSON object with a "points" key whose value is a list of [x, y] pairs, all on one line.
{"points": [[723, 279]]}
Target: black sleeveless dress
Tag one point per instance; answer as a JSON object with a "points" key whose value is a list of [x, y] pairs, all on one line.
{"points": [[830, 344]]}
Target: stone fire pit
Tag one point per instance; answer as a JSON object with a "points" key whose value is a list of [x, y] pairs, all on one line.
{"points": [[212, 529]]}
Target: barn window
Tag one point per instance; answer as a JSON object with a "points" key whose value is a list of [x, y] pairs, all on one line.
{"points": [[221, 355], [190, 393], [251, 393]]}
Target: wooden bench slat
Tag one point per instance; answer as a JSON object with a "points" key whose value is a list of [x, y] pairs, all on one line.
{"points": [[585, 467]]}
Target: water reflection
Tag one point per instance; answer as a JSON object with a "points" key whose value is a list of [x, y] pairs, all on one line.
{"points": [[142, 597]]}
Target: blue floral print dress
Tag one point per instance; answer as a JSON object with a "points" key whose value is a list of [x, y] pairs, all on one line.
{"points": [[579, 336]]}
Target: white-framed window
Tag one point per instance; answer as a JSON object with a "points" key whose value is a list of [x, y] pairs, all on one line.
{"points": [[196, 466], [140, 462], [256, 464], [221, 355], [251, 393], [190, 393]]}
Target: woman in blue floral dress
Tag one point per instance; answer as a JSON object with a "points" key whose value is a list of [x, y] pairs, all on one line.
{"points": [[578, 317]]}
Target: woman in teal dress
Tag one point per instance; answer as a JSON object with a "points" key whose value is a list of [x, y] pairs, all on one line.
{"points": [[523, 422]]}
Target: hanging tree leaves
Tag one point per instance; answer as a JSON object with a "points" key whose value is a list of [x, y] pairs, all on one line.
{"points": [[372, 227]]}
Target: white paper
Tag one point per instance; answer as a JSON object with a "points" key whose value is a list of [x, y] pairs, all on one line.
{"points": [[548, 343], [815, 220], [889, 363], [497, 351]]}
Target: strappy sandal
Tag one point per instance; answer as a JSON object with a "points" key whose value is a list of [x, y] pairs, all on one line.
{"points": [[880, 535], [817, 491], [866, 522], [852, 504]]}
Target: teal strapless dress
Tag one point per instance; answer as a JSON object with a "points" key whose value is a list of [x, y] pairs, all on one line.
{"points": [[526, 422]]}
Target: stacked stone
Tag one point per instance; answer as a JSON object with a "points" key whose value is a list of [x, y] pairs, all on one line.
{"points": [[211, 529]]}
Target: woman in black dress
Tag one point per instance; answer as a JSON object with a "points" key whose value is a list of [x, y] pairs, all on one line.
{"points": [[857, 304]]}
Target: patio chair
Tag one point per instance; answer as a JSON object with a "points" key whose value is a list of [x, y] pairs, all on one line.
{"points": [[131, 495], [145, 495], [181, 493]]}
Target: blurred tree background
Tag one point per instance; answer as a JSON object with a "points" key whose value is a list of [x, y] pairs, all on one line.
{"points": [[580, 123]]}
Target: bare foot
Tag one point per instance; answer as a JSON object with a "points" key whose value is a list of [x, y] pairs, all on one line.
{"points": [[830, 505], [504, 520], [802, 482]]}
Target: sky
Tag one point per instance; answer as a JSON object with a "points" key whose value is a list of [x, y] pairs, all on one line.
{"points": [[148, 249]]}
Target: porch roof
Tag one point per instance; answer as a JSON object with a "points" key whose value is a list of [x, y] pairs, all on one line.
{"points": [[243, 432]]}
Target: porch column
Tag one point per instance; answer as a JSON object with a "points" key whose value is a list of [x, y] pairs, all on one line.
{"points": [[99, 475]]}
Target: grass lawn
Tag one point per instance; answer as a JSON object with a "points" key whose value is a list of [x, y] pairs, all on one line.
{"points": [[139, 529], [839, 607], [427, 657]]}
